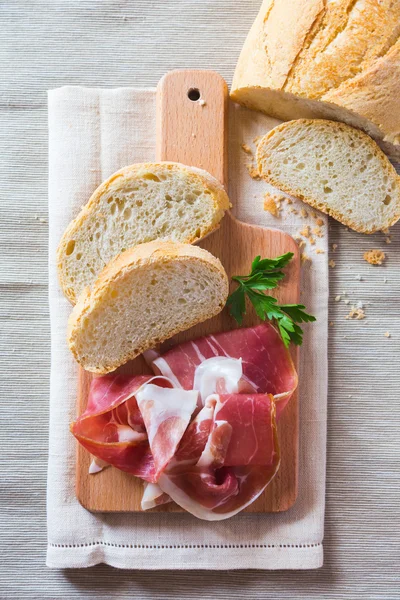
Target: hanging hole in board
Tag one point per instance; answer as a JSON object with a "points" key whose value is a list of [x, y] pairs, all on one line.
{"points": [[193, 94]]}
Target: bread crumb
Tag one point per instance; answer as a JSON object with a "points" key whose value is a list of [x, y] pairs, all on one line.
{"points": [[301, 243], [337, 298], [246, 148], [319, 221], [305, 232], [314, 215], [356, 313], [358, 277], [331, 324], [388, 239], [319, 251], [257, 139], [387, 334], [386, 231], [317, 231], [293, 210], [202, 102], [304, 257], [385, 280], [288, 200], [253, 171], [271, 206], [41, 220], [304, 213], [332, 264], [334, 246], [312, 241], [374, 257], [347, 301]]}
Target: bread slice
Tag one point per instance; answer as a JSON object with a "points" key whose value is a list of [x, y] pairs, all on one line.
{"points": [[143, 297], [333, 60], [138, 204], [335, 168]]}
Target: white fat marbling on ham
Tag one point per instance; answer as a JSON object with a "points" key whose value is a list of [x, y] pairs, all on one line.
{"points": [[150, 356], [166, 414], [97, 465], [218, 374], [153, 496], [127, 434], [163, 367]]}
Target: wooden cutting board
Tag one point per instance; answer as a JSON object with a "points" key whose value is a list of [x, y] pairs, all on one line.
{"points": [[192, 113]]}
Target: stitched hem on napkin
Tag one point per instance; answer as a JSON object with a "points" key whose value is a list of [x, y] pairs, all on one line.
{"points": [[308, 556]]}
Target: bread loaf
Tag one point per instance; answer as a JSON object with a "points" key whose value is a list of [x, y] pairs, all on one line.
{"points": [[334, 168], [335, 60], [143, 297], [139, 203]]}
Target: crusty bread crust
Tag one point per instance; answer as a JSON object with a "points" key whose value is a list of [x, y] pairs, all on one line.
{"points": [[272, 178], [339, 60], [125, 177], [139, 259]]}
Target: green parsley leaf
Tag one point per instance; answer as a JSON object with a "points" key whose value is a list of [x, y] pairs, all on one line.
{"points": [[265, 275], [237, 304]]}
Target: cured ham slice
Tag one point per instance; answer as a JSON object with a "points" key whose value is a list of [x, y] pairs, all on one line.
{"points": [[112, 427], [110, 391], [211, 488], [195, 438], [166, 414], [189, 450], [202, 430], [251, 421], [266, 364]]}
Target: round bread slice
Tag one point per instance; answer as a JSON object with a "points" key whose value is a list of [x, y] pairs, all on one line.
{"points": [[334, 168], [143, 297], [138, 204]]}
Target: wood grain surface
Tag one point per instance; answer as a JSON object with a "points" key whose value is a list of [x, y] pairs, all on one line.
{"points": [[194, 132]]}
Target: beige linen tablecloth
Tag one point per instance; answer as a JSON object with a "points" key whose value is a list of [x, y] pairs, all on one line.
{"points": [[93, 133], [117, 43]]}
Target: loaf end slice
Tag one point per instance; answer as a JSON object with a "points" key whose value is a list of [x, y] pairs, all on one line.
{"points": [[334, 168], [143, 297], [327, 60], [138, 204]]}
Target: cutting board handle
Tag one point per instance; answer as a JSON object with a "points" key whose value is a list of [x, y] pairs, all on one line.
{"points": [[192, 120]]}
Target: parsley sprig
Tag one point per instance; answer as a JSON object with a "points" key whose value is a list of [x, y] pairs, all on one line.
{"points": [[265, 275]]}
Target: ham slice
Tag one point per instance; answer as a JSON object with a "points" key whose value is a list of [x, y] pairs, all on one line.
{"points": [[250, 419], [134, 424], [266, 364], [195, 438], [210, 487], [112, 427], [166, 414], [202, 431]]}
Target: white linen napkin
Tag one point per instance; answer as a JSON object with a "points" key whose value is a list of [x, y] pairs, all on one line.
{"points": [[92, 133]]}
